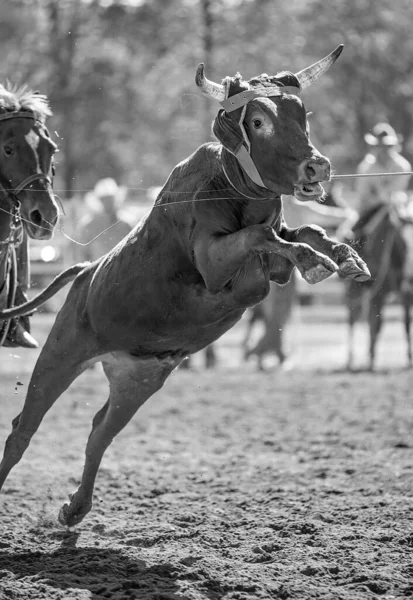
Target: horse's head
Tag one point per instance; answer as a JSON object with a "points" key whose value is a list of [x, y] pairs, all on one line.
{"points": [[263, 123], [26, 159]]}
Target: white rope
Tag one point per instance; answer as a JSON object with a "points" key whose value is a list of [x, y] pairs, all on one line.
{"points": [[346, 176]]}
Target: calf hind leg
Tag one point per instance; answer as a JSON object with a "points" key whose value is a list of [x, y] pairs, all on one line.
{"points": [[63, 358], [132, 381]]}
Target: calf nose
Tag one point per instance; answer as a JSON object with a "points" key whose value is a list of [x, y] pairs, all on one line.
{"points": [[317, 169]]}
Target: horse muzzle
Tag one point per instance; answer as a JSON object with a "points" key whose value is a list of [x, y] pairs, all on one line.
{"points": [[41, 217]]}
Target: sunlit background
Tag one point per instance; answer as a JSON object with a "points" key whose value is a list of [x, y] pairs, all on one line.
{"points": [[120, 74]]}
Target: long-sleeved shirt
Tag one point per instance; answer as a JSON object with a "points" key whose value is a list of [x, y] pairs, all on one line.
{"points": [[372, 191]]}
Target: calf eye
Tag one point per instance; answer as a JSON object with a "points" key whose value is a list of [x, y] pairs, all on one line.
{"points": [[257, 123], [8, 151]]}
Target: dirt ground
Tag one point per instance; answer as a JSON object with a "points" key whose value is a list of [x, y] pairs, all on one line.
{"points": [[230, 483]]}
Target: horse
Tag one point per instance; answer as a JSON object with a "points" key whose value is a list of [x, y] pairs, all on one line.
{"points": [[379, 238], [27, 203]]}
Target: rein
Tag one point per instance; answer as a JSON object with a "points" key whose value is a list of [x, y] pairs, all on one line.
{"points": [[15, 237]]}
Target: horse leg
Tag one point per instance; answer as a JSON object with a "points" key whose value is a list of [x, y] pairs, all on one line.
{"points": [[210, 357], [255, 314], [64, 356], [354, 298], [248, 333], [132, 381], [406, 300], [375, 323]]}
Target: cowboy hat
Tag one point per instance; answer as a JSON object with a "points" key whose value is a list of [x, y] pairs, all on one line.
{"points": [[382, 134], [106, 187]]}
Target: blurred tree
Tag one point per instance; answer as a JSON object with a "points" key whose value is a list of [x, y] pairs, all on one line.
{"points": [[120, 74], [373, 79]]}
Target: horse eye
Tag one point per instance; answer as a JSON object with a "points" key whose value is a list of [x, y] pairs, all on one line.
{"points": [[8, 151], [257, 123]]}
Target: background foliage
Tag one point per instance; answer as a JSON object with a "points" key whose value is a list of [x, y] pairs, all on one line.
{"points": [[120, 74]]}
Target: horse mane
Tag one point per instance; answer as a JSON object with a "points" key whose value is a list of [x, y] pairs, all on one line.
{"points": [[21, 99]]}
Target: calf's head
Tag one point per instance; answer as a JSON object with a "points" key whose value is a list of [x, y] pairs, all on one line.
{"points": [[263, 123]]}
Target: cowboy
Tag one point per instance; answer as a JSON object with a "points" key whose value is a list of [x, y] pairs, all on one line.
{"points": [[374, 192], [383, 157], [19, 329]]}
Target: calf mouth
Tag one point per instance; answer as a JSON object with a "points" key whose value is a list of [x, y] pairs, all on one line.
{"points": [[309, 191]]}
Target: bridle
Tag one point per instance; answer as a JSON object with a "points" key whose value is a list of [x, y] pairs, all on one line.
{"points": [[15, 236]]}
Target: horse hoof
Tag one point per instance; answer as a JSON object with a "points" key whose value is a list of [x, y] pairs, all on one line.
{"points": [[69, 516], [74, 511], [351, 270], [317, 274]]}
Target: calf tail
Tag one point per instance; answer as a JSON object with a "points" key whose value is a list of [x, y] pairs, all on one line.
{"points": [[58, 282]]}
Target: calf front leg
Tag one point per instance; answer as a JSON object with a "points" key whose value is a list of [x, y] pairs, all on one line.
{"points": [[351, 266], [220, 258]]}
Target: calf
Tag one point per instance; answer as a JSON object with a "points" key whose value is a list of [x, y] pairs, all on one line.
{"points": [[207, 250]]}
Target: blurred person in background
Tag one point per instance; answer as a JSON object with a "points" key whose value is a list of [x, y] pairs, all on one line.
{"points": [[370, 193], [383, 156], [102, 228]]}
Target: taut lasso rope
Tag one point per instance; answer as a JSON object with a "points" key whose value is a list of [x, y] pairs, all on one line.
{"points": [[344, 176], [371, 175]]}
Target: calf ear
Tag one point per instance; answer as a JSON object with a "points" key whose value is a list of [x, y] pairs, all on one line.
{"points": [[310, 74], [227, 131]]}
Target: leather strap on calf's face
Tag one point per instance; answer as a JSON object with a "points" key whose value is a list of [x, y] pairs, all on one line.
{"points": [[249, 167], [242, 98]]}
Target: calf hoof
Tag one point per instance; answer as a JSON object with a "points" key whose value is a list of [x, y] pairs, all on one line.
{"points": [[359, 271], [73, 512], [317, 274]]}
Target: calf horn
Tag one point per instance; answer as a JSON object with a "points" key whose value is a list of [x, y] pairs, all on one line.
{"points": [[307, 76], [207, 87]]}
